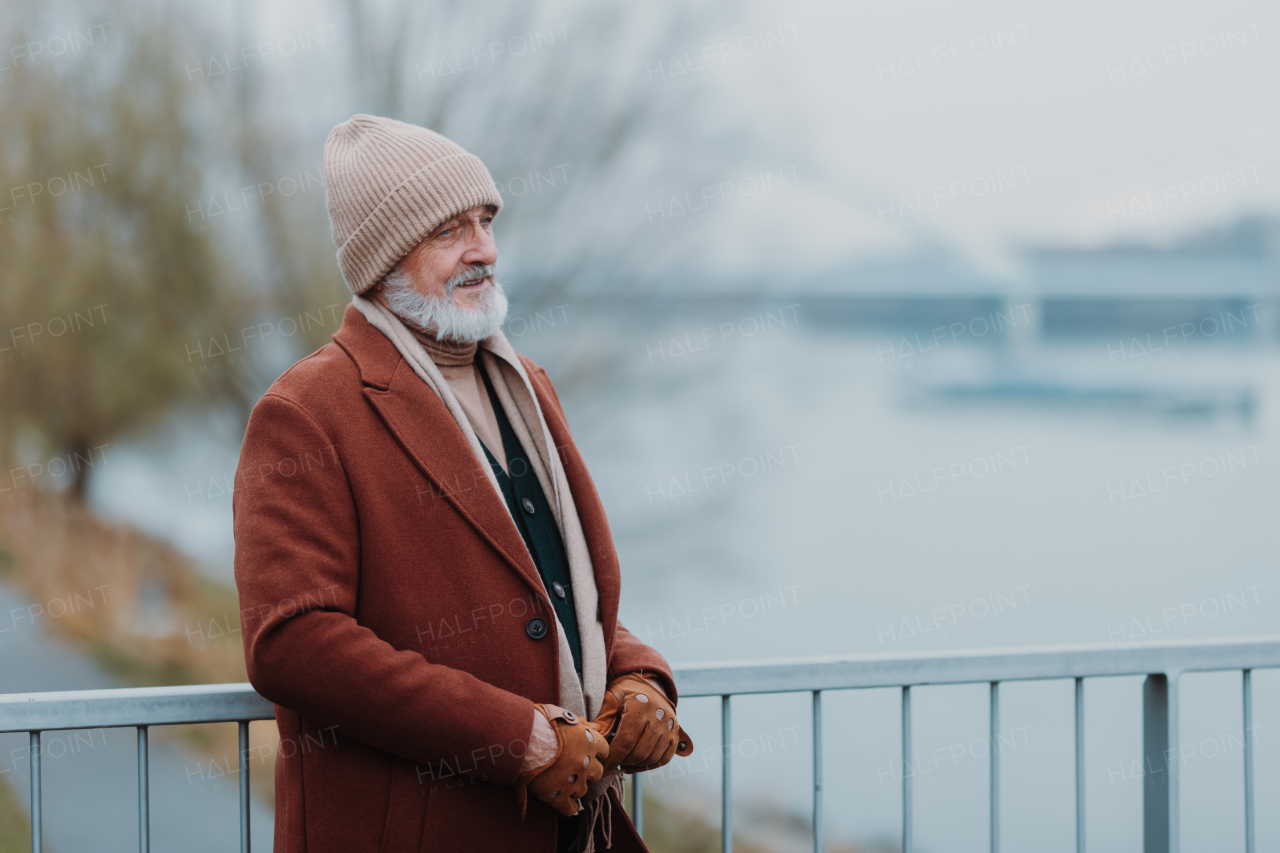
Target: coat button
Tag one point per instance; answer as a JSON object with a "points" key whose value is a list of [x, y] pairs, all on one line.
{"points": [[558, 589], [536, 628], [527, 504]]}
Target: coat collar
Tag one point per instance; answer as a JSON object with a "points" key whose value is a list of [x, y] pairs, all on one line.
{"points": [[374, 356]]}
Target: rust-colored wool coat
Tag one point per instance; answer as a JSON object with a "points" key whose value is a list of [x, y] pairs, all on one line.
{"points": [[384, 596]]}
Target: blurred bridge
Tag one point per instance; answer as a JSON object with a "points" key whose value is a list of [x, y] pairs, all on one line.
{"points": [[1211, 288], [1162, 664]]}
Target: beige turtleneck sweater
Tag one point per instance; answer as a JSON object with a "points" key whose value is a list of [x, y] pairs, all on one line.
{"points": [[457, 364]]}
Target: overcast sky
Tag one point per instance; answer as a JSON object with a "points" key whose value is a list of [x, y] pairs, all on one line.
{"points": [[975, 125], [1079, 122]]}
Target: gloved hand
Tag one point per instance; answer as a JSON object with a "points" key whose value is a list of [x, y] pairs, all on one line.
{"points": [[562, 781], [640, 724]]}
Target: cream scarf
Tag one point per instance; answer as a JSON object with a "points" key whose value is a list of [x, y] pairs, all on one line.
{"points": [[511, 384]]}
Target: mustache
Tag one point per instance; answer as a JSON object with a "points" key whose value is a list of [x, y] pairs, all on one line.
{"points": [[466, 275]]}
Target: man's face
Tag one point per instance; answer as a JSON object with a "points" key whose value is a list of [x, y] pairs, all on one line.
{"points": [[445, 286], [455, 248]]}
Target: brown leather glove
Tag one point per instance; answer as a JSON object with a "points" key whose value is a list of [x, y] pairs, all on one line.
{"points": [[563, 781], [640, 724]]}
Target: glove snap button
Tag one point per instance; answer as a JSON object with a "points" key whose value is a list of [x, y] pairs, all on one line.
{"points": [[570, 716], [536, 628]]}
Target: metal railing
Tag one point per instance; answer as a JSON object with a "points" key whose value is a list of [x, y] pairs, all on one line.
{"points": [[1162, 664], [140, 708]]}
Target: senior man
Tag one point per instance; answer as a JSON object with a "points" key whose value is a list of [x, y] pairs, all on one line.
{"points": [[428, 585]]}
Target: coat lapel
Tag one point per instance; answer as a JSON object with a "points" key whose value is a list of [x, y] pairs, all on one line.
{"points": [[422, 425]]}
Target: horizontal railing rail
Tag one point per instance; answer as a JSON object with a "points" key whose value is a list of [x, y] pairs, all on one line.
{"points": [[132, 706], [781, 675], [1161, 663]]}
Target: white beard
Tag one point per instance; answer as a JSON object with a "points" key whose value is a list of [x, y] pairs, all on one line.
{"points": [[439, 316]]}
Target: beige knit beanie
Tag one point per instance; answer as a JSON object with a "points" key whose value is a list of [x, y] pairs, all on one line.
{"points": [[389, 185]]}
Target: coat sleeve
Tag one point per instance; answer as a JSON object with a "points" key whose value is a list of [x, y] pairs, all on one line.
{"points": [[297, 568]]}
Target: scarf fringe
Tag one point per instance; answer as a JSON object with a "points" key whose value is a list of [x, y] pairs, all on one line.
{"points": [[600, 809]]}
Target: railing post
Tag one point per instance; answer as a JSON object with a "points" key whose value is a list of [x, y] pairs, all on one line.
{"points": [[1080, 836], [994, 796], [907, 841], [817, 772], [1160, 758], [244, 786], [144, 821], [37, 843], [726, 782], [637, 802], [1248, 761]]}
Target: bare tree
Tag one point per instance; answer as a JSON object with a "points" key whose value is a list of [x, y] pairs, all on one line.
{"points": [[561, 103], [104, 291]]}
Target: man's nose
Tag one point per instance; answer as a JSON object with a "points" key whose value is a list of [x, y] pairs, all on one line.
{"points": [[482, 250]]}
